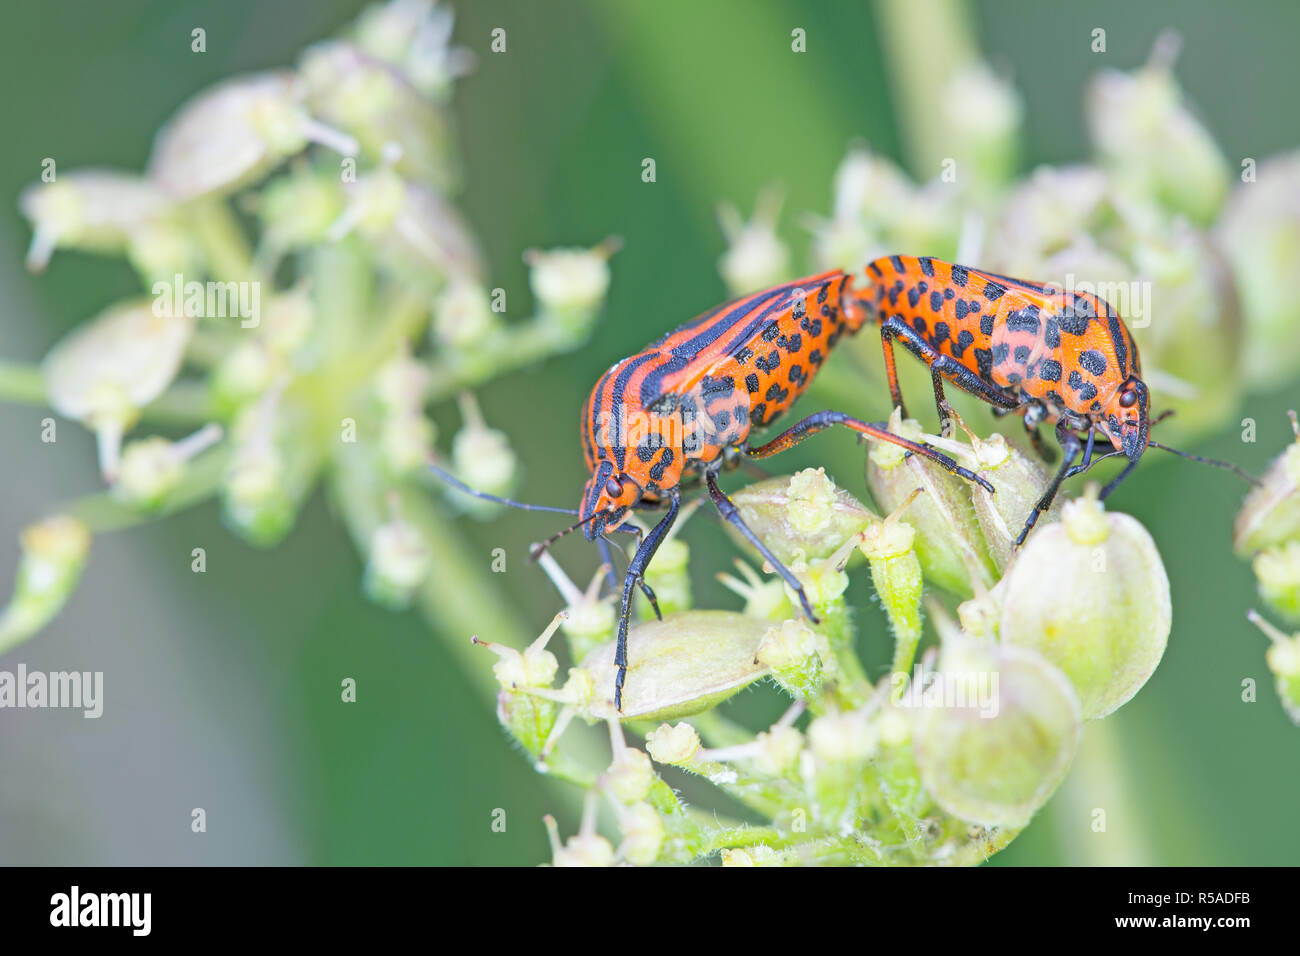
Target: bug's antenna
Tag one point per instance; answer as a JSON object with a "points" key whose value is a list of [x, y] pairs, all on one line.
{"points": [[535, 551], [1228, 466], [457, 483]]}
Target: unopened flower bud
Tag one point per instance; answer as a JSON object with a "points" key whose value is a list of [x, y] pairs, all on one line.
{"points": [[1284, 661], [682, 665], [673, 744], [153, 467], [414, 37], [799, 658], [1277, 569], [1152, 141], [1259, 233], [483, 460], [756, 257], [751, 856], [1091, 595], [297, 210], [233, 134], [398, 563], [462, 315], [405, 442], [1270, 514], [54, 554], [1020, 481], [949, 540], [801, 513], [630, 776], [243, 374], [590, 849], [570, 284], [995, 732], [528, 717], [99, 210], [378, 104], [643, 834], [842, 738], [104, 371], [402, 383], [779, 751], [896, 576]]}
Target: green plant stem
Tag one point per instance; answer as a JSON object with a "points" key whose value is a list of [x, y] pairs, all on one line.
{"points": [[226, 248]]}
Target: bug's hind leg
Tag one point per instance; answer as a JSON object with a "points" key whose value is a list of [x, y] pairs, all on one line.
{"points": [[811, 425], [887, 334]]}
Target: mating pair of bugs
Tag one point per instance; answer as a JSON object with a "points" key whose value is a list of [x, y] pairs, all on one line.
{"points": [[683, 408]]}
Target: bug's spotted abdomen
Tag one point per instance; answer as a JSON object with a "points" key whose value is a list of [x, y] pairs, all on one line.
{"points": [[1069, 351]]}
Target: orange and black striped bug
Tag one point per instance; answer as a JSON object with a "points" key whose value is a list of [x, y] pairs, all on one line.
{"points": [[683, 408], [1050, 355]]}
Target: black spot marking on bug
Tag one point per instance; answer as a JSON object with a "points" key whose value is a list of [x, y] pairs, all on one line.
{"points": [[770, 333], [798, 307], [897, 262], [1113, 422], [986, 324], [1075, 380], [936, 300], [777, 394], [960, 309], [757, 414], [1075, 316], [984, 364], [1022, 354], [1093, 361], [964, 341], [721, 385], [958, 276], [770, 362], [722, 418], [927, 266], [918, 323], [993, 291], [648, 448], [1049, 370], [797, 376], [665, 459], [1023, 320], [1000, 352], [822, 293], [941, 332], [875, 269], [664, 404], [913, 296], [1013, 378], [744, 355], [895, 291], [949, 294], [794, 343], [1052, 332], [752, 383], [1088, 392], [1094, 407], [814, 326], [1055, 397], [815, 356]]}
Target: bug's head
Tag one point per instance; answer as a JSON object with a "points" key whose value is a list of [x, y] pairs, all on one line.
{"points": [[606, 500], [1127, 420]]}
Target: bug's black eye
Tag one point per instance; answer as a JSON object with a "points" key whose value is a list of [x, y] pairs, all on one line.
{"points": [[1128, 399], [614, 487]]}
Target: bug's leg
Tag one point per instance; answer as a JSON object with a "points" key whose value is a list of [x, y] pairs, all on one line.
{"points": [[635, 572], [891, 370], [948, 367], [730, 513], [814, 423], [607, 556], [1033, 417], [941, 403], [1070, 448]]}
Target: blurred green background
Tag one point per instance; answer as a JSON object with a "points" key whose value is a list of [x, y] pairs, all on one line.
{"points": [[222, 688]]}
